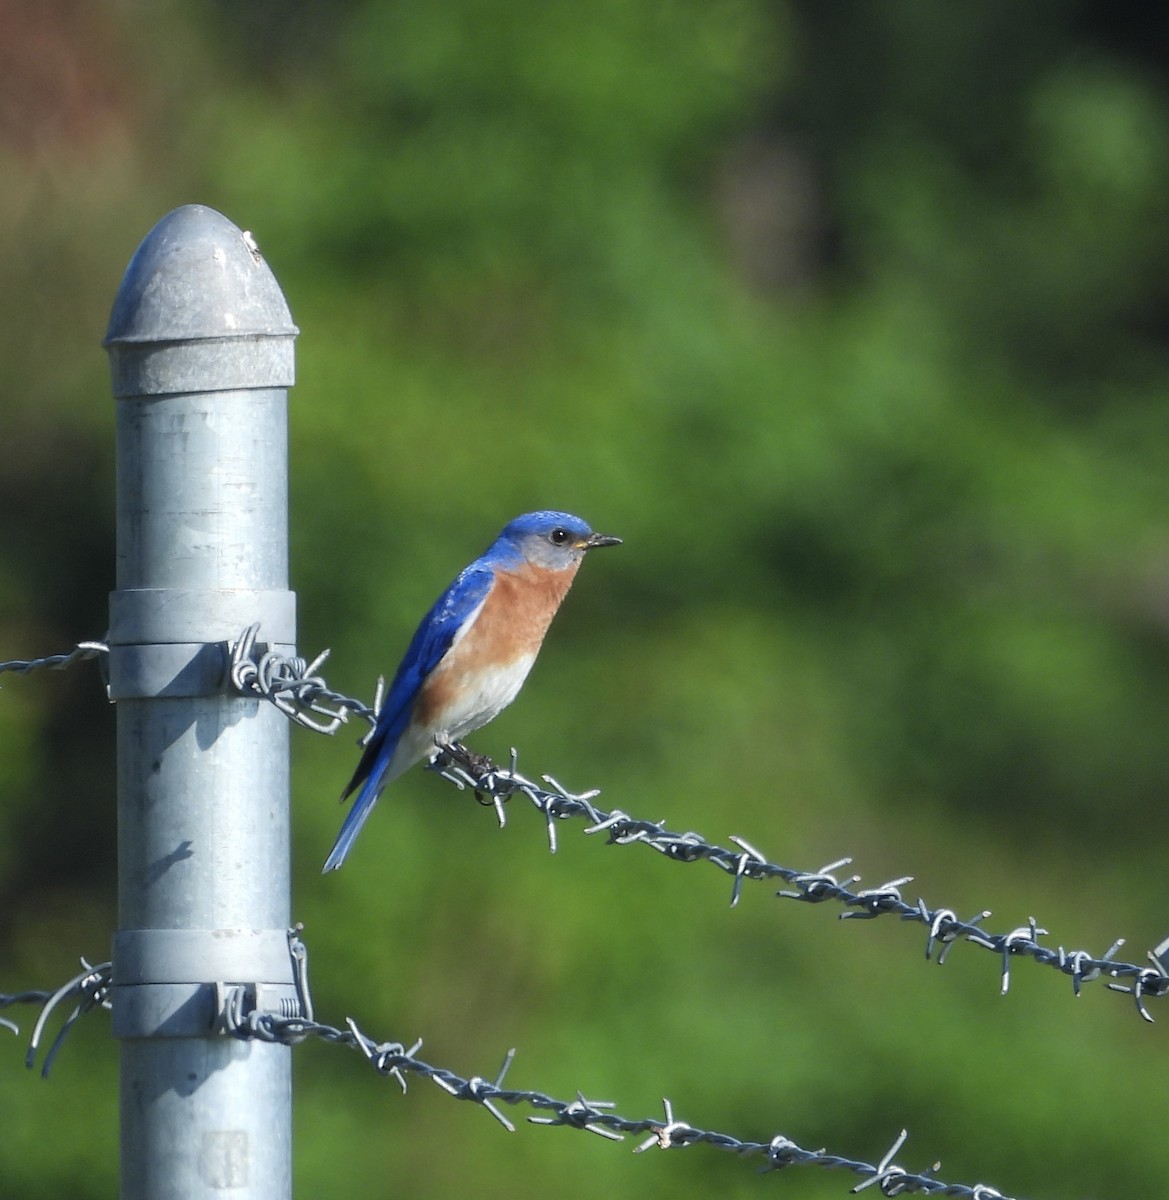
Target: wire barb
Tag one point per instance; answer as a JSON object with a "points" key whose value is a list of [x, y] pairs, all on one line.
{"points": [[293, 686], [886, 1174], [91, 989]]}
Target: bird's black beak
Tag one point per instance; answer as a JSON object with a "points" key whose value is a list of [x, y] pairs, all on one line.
{"points": [[600, 539]]}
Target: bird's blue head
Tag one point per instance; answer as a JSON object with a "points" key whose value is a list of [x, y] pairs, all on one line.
{"points": [[553, 540]]}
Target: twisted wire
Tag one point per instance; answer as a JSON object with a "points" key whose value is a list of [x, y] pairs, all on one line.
{"points": [[56, 662], [294, 687], [944, 927], [397, 1061], [92, 988]]}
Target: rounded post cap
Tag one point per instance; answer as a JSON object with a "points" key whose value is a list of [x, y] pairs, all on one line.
{"points": [[198, 310]]}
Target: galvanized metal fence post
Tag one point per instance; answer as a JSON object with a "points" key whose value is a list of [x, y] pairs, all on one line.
{"points": [[201, 354]]}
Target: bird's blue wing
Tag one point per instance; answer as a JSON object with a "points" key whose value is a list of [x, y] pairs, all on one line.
{"points": [[431, 640]]}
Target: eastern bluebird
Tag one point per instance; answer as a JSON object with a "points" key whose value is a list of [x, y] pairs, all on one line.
{"points": [[470, 656]]}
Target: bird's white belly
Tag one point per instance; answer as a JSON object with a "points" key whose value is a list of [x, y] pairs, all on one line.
{"points": [[483, 694]]}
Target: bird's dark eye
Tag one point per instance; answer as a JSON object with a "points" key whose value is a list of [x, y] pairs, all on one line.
{"points": [[559, 536]]}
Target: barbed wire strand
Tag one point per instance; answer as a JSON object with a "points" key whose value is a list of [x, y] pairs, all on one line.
{"points": [[397, 1061], [294, 686], [944, 927], [288, 683], [56, 662]]}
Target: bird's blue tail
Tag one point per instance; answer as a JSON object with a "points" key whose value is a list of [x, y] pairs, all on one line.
{"points": [[357, 817]]}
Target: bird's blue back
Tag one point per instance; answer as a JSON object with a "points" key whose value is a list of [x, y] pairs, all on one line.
{"points": [[431, 640]]}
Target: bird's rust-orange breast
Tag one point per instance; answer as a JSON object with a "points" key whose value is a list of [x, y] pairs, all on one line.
{"points": [[509, 629]]}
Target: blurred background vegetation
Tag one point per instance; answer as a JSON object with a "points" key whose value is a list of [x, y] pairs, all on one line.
{"points": [[852, 319]]}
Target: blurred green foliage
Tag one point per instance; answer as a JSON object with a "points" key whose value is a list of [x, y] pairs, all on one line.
{"points": [[850, 318]]}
